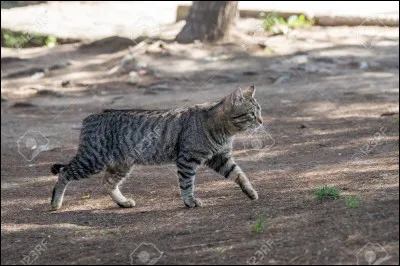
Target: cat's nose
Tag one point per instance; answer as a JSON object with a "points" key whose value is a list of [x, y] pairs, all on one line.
{"points": [[260, 120]]}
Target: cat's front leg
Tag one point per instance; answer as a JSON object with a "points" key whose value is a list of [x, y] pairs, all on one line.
{"points": [[187, 173], [224, 165], [240, 178]]}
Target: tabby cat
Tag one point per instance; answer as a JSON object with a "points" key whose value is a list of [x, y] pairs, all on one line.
{"points": [[115, 140]]}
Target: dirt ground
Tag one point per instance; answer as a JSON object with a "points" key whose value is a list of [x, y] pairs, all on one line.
{"points": [[330, 99]]}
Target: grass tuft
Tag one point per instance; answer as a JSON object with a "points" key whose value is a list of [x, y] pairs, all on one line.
{"points": [[352, 202], [261, 223], [326, 192]]}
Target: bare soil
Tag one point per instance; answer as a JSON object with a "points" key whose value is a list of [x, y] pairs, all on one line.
{"points": [[331, 107]]}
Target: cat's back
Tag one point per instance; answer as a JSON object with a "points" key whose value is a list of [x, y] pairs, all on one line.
{"points": [[138, 122], [128, 114], [165, 119], [149, 135]]}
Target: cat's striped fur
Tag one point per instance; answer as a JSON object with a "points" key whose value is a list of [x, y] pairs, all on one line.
{"points": [[114, 140]]}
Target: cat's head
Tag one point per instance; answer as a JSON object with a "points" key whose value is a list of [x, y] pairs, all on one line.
{"points": [[243, 110]]}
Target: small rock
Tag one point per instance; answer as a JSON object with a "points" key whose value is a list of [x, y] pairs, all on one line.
{"points": [[157, 47], [37, 75], [250, 73], [150, 93], [302, 126], [299, 59], [65, 83], [46, 92], [133, 74], [23, 105], [389, 114], [325, 59], [133, 77], [364, 65], [162, 87], [60, 65], [139, 66], [286, 101]]}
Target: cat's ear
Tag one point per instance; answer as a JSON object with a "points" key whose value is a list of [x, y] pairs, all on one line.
{"points": [[251, 91], [236, 96]]}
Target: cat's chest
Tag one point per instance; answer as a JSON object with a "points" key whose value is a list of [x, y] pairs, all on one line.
{"points": [[220, 147]]}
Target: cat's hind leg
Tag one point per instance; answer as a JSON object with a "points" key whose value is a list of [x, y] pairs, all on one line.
{"points": [[59, 191], [80, 167], [111, 181]]}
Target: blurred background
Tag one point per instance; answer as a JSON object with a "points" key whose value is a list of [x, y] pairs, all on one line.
{"points": [[325, 164]]}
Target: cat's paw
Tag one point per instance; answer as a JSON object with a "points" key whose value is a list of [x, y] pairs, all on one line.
{"points": [[129, 203], [251, 193], [55, 206], [192, 202]]}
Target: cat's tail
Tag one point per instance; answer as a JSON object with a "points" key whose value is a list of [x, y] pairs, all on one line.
{"points": [[56, 168]]}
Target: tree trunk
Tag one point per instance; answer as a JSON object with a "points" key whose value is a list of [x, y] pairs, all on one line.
{"points": [[208, 21]]}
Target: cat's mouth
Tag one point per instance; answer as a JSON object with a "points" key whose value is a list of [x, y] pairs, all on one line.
{"points": [[255, 126]]}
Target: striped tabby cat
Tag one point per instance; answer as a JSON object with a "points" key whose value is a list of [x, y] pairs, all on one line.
{"points": [[114, 140]]}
